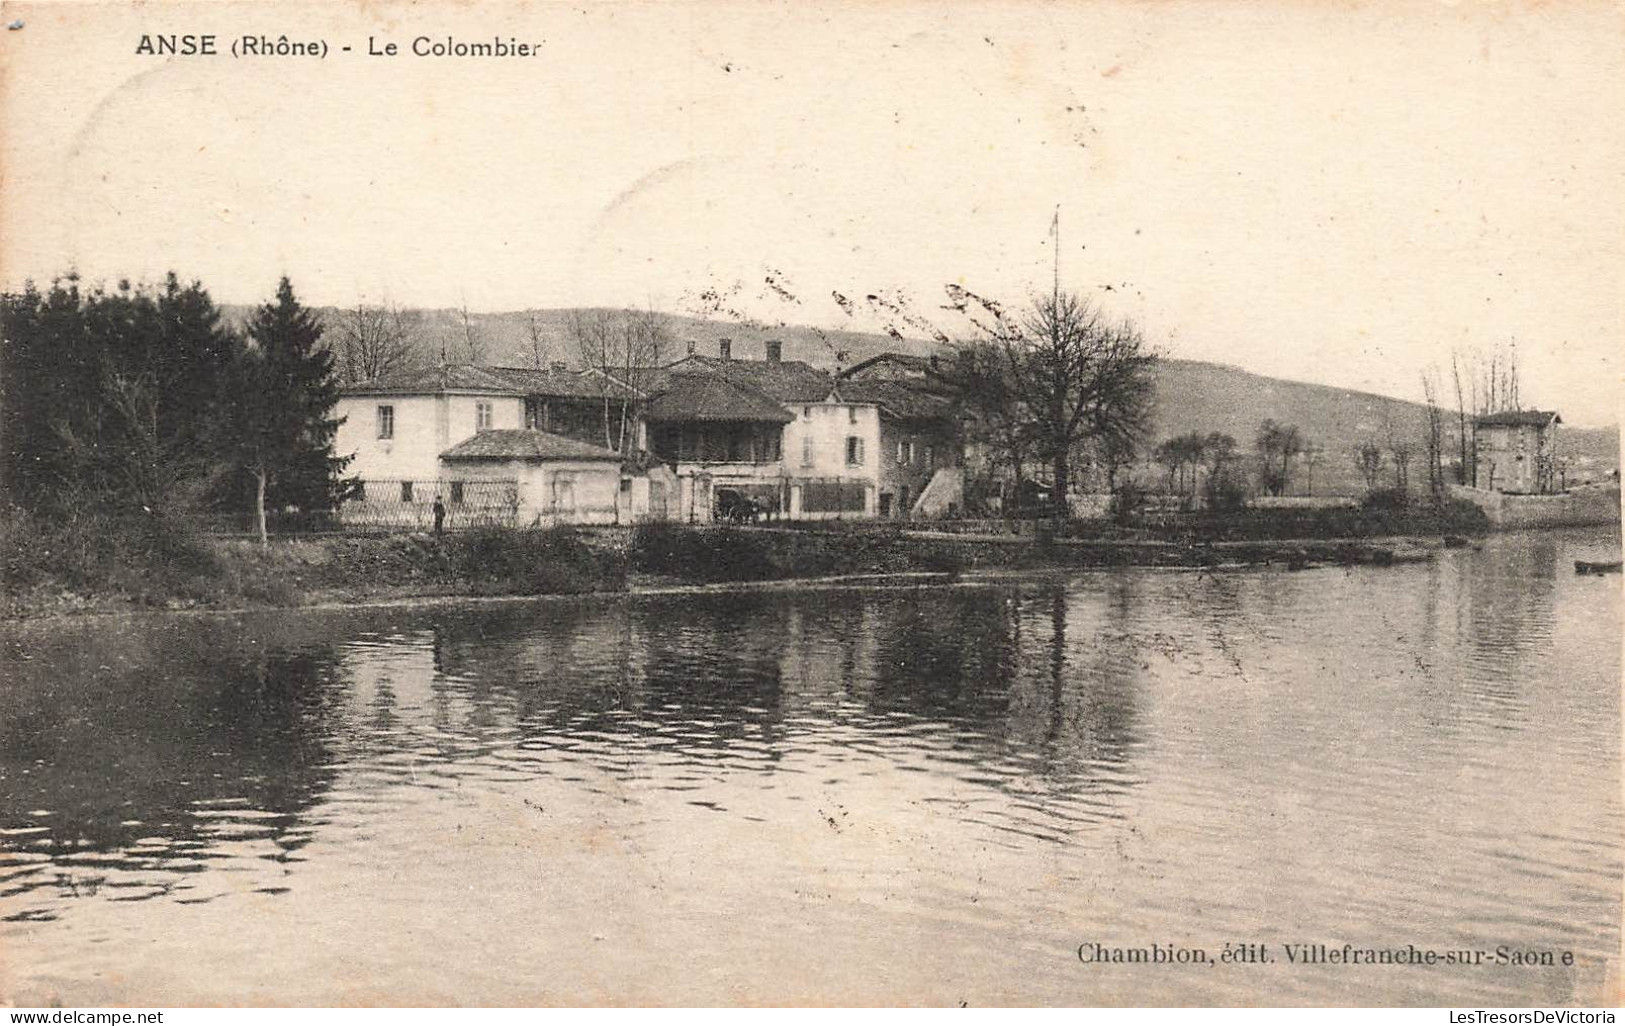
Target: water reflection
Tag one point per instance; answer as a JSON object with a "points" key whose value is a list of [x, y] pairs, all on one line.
{"points": [[130, 767], [1424, 753]]}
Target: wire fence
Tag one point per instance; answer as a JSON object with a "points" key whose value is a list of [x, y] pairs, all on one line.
{"points": [[400, 504], [389, 505]]}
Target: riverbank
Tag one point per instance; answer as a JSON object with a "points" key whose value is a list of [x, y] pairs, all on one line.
{"points": [[97, 566]]}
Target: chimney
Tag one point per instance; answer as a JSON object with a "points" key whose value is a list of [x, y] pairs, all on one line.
{"points": [[558, 367], [693, 345], [775, 350], [840, 361], [725, 348]]}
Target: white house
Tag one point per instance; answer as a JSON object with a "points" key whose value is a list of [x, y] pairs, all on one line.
{"points": [[493, 444]]}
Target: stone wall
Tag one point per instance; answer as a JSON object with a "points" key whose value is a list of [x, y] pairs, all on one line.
{"points": [[1574, 508]]}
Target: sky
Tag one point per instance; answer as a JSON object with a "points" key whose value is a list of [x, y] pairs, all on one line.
{"points": [[1344, 193]]}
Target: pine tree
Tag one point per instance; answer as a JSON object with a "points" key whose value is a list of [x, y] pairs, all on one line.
{"points": [[283, 393], [110, 395]]}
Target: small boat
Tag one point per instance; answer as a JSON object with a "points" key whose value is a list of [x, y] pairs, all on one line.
{"points": [[1583, 567]]}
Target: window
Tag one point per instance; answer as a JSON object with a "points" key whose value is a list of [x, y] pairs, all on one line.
{"points": [[482, 416], [386, 422], [406, 491], [806, 413], [807, 451], [905, 451], [456, 493], [930, 456], [854, 451], [852, 414], [564, 493]]}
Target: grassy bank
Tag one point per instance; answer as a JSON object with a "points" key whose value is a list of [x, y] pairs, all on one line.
{"points": [[716, 554], [1378, 517], [99, 563]]}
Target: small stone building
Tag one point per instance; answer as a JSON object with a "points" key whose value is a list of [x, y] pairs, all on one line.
{"points": [[1516, 452], [560, 480]]}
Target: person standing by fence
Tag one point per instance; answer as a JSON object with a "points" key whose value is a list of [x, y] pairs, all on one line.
{"points": [[439, 516]]}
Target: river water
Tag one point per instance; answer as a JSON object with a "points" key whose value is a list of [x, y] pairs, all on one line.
{"points": [[931, 795]]}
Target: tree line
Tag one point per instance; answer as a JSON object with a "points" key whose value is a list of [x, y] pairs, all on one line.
{"points": [[142, 401]]}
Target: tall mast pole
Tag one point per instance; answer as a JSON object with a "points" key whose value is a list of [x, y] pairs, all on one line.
{"points": [[1056, 224]]}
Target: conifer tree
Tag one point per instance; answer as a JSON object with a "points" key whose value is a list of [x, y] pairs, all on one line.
{"points": [[280, 415], [110, 395]]}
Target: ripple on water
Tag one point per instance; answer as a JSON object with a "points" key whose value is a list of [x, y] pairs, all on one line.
{"points": [[984, 777]]}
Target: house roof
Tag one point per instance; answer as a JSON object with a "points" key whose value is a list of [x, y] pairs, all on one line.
{"points": [[1518, 418], [788, 381], [527, 445], [466, 377], [566, 383], [431, 380], [915, 366], [712, 397], [897, 399]]}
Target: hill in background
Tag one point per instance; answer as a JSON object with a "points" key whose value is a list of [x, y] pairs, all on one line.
{"points": [[1191, 395]]}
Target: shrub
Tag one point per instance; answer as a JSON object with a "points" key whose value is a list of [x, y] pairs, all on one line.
{"points": [[1225, 492], [707, 553], [551, 561], [1386, 499], [1126, 503], [145, 558], [726, 553]]}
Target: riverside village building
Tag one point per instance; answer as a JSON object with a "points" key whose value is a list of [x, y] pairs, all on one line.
{"points": [[702, 438]]}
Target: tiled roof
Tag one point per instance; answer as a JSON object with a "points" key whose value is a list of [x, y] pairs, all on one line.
{"points": [[705, 396], [1518, 418], [898, 399], [430, 380], [564, 383], [788, 381], [916, 365], [527, 445], [464, 377]]}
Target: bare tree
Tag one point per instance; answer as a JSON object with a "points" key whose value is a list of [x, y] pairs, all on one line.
{"points": [[1277, 445], [976, 375], [1223, 488], [1183, 456], [1368, 458], [594, 333], [1433, 439], [1401, 450], [624, 347], [473, 340], [374, 342], [1313, 453], [645, 336], [538, 349], [1076, 375], [1465, 471], [1172, 458]]}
